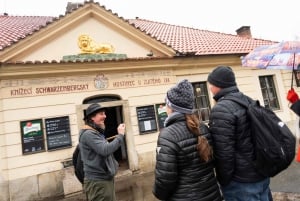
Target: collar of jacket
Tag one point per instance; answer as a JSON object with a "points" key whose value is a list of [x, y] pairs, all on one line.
{"points": [[225, 91], [173, 117], [87, 127]]}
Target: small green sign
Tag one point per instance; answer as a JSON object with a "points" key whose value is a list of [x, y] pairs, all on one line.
{"points": [[32, 136]]}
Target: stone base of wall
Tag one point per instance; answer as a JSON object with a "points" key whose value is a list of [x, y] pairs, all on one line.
{"points": [[4, 192], [147, 161], [36, 187], [71, 184]]}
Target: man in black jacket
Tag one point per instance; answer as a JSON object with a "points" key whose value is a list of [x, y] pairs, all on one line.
{"points": [[233, 148]]}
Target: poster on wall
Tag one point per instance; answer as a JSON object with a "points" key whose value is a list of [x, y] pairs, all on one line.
{"points": [[32, 136], [146, 119], [58, 132], [161, 114]]}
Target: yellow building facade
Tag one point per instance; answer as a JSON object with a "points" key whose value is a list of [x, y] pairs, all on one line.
{"points": [[42, 102]]}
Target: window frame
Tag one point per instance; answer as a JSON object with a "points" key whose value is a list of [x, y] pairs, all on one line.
{"points": [[269, 92], [202, 100]]}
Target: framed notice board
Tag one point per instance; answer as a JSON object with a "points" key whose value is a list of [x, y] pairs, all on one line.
{"points": [[161, 114], [146, 119], [32, 136], [58, 132]]}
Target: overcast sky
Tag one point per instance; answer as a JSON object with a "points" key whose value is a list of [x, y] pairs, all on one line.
{"points": [[276, 20]]}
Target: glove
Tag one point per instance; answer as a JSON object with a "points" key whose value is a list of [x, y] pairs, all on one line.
{"points": [[292, 96]]}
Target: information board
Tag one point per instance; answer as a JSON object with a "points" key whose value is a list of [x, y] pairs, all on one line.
{"points": [[32, 136], [58, 132], [146, 119]]}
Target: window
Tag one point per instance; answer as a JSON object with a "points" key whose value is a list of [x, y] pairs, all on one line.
{"points": [[201, 100], [269, 92], [297, 77]]}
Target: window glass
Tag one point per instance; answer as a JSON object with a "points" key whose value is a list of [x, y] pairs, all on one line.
{"points": [[269, 92], [202, 104]]}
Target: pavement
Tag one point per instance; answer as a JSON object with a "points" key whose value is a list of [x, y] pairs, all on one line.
{"points": [[285, 187], [288, 180], [138, 187]]}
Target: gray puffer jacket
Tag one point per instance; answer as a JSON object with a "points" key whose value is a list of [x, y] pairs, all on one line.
{"points": [[180, 174]]}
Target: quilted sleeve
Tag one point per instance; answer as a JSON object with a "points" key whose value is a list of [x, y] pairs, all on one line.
{"points": [[222, 128], [166, 173]]}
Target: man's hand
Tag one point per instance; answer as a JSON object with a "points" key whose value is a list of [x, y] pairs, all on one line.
{"points": [[121, 129], [292, 96]]}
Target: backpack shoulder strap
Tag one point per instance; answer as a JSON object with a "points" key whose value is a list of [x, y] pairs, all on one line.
{"points": [[85, 128], [81, 135]]}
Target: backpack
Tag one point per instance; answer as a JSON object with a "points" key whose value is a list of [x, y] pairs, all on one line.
{"points": [[78, 164], [274, 143]]}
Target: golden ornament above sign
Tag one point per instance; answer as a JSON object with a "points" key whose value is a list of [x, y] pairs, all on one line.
{"points": [[87, 45]]}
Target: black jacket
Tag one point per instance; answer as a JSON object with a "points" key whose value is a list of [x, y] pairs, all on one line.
{"points": [[180, 174], [296, 107], [233, 148]]}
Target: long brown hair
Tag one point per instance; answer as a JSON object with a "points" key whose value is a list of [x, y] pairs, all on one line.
{"points": [[203, 147]]}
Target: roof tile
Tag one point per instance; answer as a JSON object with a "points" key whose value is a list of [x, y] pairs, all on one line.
{"points": [[201, 42], [15, 28], [182, 39]]}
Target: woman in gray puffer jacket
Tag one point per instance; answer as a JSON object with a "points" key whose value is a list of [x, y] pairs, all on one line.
{"points": [[184, 168]]}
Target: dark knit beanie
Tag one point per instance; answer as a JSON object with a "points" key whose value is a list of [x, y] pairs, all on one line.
{"points": [[222, 77], [181, 97]]}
